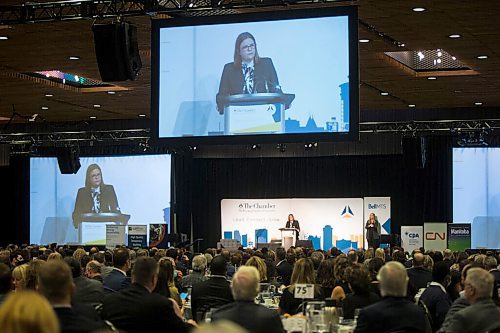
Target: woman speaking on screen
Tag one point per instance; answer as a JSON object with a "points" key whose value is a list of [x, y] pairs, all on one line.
{"points": [[248, 73]]}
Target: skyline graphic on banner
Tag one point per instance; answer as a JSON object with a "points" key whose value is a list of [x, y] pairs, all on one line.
{"points": [[328, 237]]}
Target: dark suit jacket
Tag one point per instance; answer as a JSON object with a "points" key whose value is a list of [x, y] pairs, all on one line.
{"points": [[136, 310], [76, 320], [115, 281], [372, 232], [479, 317], [212, 293], [84, 202], [88, 290], [419, 277], [232, 80], [357, 301], [255, 318], [284, 271], [438, 302], [391, 314]]}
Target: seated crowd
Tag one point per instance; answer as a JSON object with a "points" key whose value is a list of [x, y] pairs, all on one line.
{"points": [[61, 289]]}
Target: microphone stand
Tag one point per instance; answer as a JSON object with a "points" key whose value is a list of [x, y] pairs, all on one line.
{"points": [[198, 244]]}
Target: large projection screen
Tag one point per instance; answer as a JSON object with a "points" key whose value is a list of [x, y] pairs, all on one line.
{"points": [[141, 184], [307, 56], [476, 194]]}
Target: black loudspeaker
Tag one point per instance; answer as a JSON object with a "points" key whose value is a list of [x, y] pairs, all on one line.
{"points": [[414, 152], [68, 160], [116, 51]]}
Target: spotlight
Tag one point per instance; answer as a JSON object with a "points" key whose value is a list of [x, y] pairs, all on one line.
{"points": [[281, 147], [255, 146]]}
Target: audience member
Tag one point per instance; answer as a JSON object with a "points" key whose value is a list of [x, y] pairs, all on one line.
{"points": [[199, 265], [418, 275], [303, 272], [359, 281], [93, 270], [394, 312], [136, 309], [87, 291], [491, 265], [482, 315], [222, 325], [20, 277], [5, 281], [244, 311], [55, 282], [27, 312], [117, 279], [283, 268], [435, 297], [212, 293], [165, 285], [325, 277]]}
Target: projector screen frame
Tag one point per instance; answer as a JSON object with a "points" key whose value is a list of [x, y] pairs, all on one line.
{"points": [[352, 135]]}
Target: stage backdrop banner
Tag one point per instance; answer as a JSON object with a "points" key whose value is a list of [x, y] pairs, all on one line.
{"points": [[459, 236], [137, 235], [115, 235], [435, 236], [326, 222], [412, 237], [381, 207]]}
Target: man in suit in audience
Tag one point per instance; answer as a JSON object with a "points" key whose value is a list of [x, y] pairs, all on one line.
{"points": [[394, 312], [283, 267], [418, 275], [117, 279], [212, 293], [256, 318], [55, 282], [482, 315], [137, 310], [87, 290]]}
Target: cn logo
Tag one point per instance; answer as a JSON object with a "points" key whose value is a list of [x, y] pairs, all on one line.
{"points": [[435, 235]]}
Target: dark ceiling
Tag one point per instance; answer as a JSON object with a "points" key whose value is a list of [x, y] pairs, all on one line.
{"points": [[48, 45]]}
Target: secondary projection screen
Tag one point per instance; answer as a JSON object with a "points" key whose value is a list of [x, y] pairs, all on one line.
{"points": [[476, 194], [136, 187], [233, 78]]}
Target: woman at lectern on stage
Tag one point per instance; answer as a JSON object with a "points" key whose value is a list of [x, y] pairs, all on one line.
{"points": [[248, 73], [293, 223], [372, 227], [95, 197]]}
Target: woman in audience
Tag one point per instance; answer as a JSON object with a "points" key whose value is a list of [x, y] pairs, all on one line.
{"points": [[303, 272], [27, 312], [325, 277], [261, 267], [358, 279], [32, 273], [373, 267], [428, 262], [165, 285], [19, 277], [379, 253]]}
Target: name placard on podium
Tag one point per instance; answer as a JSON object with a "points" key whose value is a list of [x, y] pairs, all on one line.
{"points": [[92, 226], [256, 113]]}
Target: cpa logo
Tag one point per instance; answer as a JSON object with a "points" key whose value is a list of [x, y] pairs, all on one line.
{"points": [[347, 212], [412, 235], [240, 206]]}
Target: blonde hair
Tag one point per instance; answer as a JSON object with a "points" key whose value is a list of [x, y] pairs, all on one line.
{"points": [[379, 253], [21, 273], [55, 256], [260, 265], [27, 311], [79, 254]]}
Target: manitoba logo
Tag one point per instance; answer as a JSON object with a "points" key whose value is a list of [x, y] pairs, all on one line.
{"points": [[347, 212]]}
